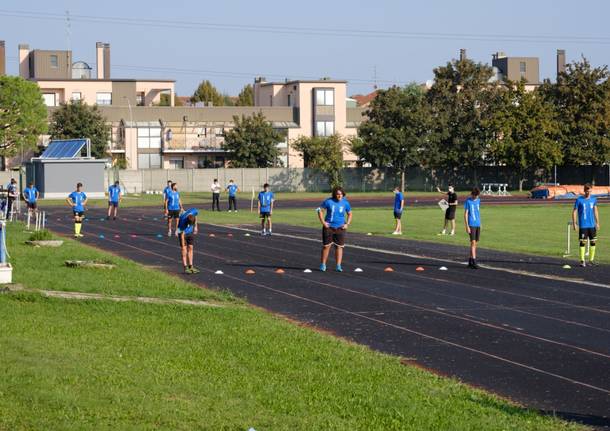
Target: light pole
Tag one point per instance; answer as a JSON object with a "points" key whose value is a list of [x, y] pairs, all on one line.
{"points": [[130, 125]]}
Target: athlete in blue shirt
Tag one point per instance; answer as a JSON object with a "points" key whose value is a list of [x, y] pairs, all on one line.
{"points": [[166, 190], [77, 200], [114, 197], [399, 204], [472, 220], [332, 214], [173, 208], [187, 228], [30, 196], [585, 216], [232, 188], [265, 209]]}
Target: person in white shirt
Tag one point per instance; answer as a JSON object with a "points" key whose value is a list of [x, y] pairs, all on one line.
{"points": [[215, 187]]}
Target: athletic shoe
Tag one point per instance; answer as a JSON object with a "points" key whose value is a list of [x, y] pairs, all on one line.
{"points": [[322, 267], [264, 232], [593, 263], [176, 234], [475, 265], [113, 218], [452, 233], [188, 270], [107, 217], [269, 233], [396, 233], [339, 269], [230, 211], [169, 233], [194, 270], [582, 263]]}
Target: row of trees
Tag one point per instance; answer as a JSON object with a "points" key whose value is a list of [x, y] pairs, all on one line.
{"points": [[206, 92]]}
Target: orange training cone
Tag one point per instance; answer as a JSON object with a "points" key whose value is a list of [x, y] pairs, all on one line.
{"points": [[250, 271], [419, 268], [279, 271], [388, 269]]}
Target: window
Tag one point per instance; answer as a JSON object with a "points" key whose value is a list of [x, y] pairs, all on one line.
{"points": [[325, 128], [204, 162], [149, 161], [149, 137], [176, 163], [289, 104], [49, 99], [325, 97], [54, 61], [140, 98], [522, 67], [104, 99], [76, 95]]}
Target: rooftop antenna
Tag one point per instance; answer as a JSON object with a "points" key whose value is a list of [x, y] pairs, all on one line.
{"points": [[375, 77], [68, 30]]}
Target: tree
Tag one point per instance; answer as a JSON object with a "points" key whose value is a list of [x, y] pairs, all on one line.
{"points": [[246, 96], [462, 99], [396, 132], [527, 131], [252, 143], [23, 115], [78, 120], [324, 153], [207, 93], [582, 99]]}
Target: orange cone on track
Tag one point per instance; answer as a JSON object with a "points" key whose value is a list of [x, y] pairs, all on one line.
{"points": [[279, 271], [250, 271], [388, 269], [229, 234], [212, 235], [419, 268]]}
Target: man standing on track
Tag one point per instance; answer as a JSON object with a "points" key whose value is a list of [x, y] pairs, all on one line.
{"points": [[472, 220], [30, 196], [187, 229], [114, 197], [265, 209], [452, 201], [232, 188], [399, 204], [173, 208], [77, 200], [166, 190], [215, 187], [334, 226], [585, 216]]}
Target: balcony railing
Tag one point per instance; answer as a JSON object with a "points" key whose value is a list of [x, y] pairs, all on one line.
{"points": [[198, 144]]}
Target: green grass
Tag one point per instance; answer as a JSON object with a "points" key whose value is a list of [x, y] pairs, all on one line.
{"points": [[101, 365], [533, 229]]}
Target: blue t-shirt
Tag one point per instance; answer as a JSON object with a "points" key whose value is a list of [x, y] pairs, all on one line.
{"points": [[114, 193], [78, 198], [183, 223], [232, 188], [173, 200], [335, 211], [474, 215], [398, 198], [265, 199], [166, 190], [30, 194], [586, 212]]}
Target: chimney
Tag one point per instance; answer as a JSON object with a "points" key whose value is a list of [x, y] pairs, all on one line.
{"points": [[106, 61], [561, 61], [2, 58], [257, 89], [24, 61], [462, 54], [102, 59]]}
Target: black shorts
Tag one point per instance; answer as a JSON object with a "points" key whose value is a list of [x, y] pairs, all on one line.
{"points": [[450, 213], [113, 204], [333, 236], [32, 205], [589, 233], [475, 233], [397, 215], [186, 239], [78, 213], [173, 213], [265, 214]]}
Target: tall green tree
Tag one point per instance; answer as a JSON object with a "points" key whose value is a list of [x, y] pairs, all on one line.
{"points": [[526, 127], [23, 115], [396, 132], [581, 96], [462, 98], [78, 120], [324, 153], [206, 92], [246, 96], [252, 143]]}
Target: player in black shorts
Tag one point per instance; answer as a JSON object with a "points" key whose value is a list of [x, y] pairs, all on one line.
{"points": [[452, 200]]}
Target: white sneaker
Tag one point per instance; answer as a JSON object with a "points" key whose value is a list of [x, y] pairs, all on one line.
{"points": [[396, 233], [169, 233], [452, 233]]}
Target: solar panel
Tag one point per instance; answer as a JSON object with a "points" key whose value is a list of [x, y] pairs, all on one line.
{"points": [[64, 149]]}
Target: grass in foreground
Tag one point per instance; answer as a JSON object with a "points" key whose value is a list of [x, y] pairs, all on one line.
{"points": [[533, 229], [74, 365]]}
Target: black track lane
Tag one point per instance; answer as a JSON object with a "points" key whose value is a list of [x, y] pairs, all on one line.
{"points": [[440, 323]]}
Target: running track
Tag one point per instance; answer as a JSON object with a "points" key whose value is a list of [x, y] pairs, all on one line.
{"points": [[541, 339]]}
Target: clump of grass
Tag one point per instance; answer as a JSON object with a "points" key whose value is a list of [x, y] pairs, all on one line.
{"points": [[41, 235]]}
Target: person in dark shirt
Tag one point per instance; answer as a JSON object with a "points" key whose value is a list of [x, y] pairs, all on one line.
{"points": [[452, 200]]}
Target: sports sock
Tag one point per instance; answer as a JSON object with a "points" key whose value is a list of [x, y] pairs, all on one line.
{"points": [[582, 253], [591, 253], [77, 227]]}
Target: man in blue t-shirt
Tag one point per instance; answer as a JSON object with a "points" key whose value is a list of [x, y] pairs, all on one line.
{"points": [[472, 220], [232, 188], [399, 204], [173, 208], [166, 190], [114, 197], [585, 216], [265, 209], [187, 228], [30, 196], [77, 200], [332, 214]]}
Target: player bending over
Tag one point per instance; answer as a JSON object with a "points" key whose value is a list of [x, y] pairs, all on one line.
{"points": [[586, 216], [77, 200], [265, 209], [187, 229], [334, 226], [472, 220]]}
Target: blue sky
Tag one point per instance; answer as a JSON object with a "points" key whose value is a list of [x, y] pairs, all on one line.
{"points": [[223, 46]]}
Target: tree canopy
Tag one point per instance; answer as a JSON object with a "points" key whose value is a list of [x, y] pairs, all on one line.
{"points": [[324, 153], [246, 96], [252, 143], [206, 92]]}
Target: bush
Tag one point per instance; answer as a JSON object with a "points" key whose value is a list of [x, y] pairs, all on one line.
{"points": [[41, 235]]}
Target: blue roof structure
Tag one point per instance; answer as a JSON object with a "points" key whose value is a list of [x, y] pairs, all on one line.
{"points": [[65, 149]]}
